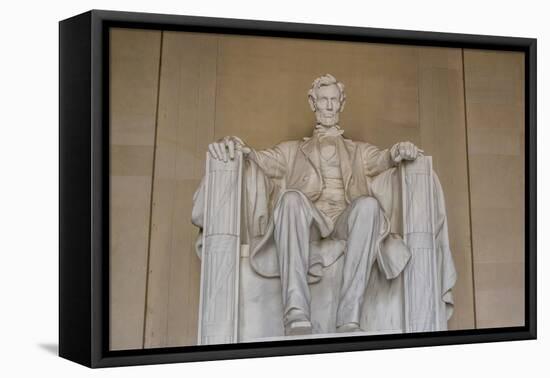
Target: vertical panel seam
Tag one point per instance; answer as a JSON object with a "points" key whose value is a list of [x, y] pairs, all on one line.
{"points": [[172, 214], [418, 94], [469, 186], [217, 82], [152, 192]]}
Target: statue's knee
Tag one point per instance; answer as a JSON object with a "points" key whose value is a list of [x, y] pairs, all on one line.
{"points": [[366, 205], [291, 199]]}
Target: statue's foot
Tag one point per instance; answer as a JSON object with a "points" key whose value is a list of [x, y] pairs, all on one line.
{"points": [[297, 323], [348, 327], [298, 327]]}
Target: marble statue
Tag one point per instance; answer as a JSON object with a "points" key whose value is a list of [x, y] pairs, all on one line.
{"points": [[309, 203]]}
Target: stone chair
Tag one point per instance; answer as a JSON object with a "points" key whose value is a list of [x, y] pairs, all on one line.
{"points": [[238, 305]]}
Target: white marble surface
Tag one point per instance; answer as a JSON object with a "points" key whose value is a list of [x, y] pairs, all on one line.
{"points": [[261, 308], [395, 231], [219, 296], [324, 335], [421, 283]]}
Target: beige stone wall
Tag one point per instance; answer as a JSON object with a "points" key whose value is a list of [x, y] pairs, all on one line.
{"points": [[172, 93], [134, 92], [496, 123]]}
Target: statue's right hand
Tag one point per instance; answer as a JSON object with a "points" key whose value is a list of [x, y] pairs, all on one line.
{"points": [[224, 149]]}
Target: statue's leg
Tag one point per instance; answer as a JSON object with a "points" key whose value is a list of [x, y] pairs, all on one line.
{"points": [[359, 224], [293, 219]]}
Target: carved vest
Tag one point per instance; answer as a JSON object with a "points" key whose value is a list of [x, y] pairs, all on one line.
{"points": [[332, 199]]}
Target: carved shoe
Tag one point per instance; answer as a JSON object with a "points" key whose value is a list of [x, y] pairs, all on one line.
{"points": [[348, 327], [297, 323], [298, 327]]}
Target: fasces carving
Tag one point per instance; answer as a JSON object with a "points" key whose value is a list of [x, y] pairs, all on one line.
{"points": [[218, 317], [421, 283]]}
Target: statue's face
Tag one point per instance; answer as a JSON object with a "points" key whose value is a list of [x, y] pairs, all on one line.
{"points": [[327, 105]]}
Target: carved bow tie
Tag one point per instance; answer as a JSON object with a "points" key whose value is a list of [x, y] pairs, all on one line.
{"points": [[324, 132]]}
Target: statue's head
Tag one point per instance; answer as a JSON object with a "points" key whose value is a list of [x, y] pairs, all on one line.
{"points": [[327, 98]]}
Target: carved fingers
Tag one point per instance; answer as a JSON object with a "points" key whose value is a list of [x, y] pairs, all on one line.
{"points": [[217, 150], [241, 146], [225, 148], [408, 151], [212, 150], [231, 147]]}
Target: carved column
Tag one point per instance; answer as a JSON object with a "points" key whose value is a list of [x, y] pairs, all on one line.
{"points": [[421, 278], [219, 299]]}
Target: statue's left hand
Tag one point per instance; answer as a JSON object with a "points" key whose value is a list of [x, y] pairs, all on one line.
{"points": [[405, 151]]}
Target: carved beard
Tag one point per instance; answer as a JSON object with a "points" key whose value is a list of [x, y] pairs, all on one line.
{"points": [[327, 121]]}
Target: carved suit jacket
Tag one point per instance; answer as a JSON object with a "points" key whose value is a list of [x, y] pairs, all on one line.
{"points": [[296, 165]]}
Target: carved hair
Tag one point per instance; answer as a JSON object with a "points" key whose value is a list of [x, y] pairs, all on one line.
{"points": [[323, 81]]}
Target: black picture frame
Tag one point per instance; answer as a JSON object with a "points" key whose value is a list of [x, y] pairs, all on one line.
{"points": [[84, 188]]}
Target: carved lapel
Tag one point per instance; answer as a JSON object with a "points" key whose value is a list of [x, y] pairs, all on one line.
{"points": [[310, 148], [346, 152]]}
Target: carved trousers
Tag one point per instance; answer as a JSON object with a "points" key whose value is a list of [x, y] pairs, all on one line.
{"points": [[358, 225]]}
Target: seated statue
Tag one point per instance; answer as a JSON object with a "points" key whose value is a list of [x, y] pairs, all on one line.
{"points": [[325, 189]]}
